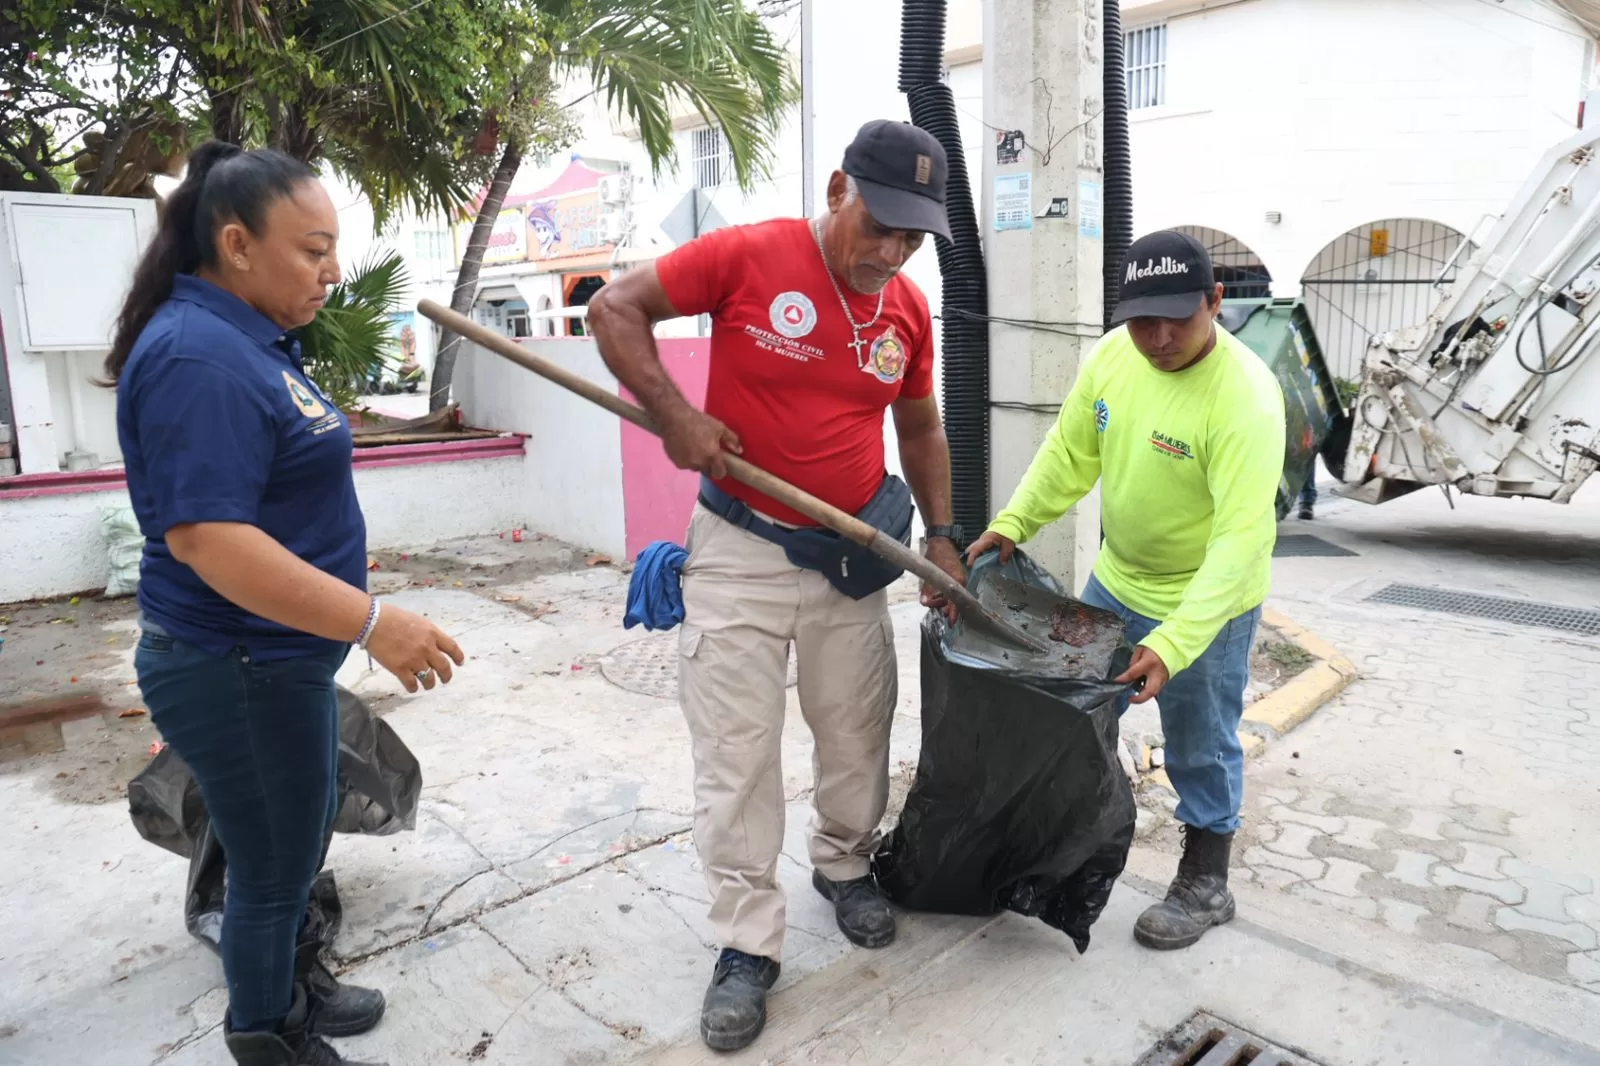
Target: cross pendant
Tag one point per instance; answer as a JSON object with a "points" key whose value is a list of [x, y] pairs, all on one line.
{"points": [[857, 344]]}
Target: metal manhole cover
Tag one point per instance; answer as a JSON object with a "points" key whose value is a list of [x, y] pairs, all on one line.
{"points": [[650, 666], [1492, 608], [1304, 545], [1206, 1040]]}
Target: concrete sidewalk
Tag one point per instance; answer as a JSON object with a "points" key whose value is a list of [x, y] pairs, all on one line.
{"points": [[549, 907]]}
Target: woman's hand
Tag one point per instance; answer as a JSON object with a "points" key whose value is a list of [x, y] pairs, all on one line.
{"points": [[412, 648]]}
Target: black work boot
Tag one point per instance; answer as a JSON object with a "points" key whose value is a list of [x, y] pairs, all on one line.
{"points": [[860, 909], [341, 1010], [1198, 897], [293, 1045], [735, 1008], [1307, 513]]}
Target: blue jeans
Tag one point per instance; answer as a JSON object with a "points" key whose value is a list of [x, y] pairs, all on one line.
{"points": [[262, 740], [1200, 712], [1308, 494]]}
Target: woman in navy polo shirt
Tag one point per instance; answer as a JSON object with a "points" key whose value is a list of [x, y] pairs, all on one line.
{"points": [[253, 584]]}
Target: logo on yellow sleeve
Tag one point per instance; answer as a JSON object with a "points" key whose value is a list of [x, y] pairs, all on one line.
{"points": [[308, 404]]}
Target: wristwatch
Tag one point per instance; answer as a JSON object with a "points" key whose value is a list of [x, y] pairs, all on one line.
{"points": [[952, 533]]}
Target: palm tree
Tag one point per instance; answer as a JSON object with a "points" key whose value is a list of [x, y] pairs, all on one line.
{"points": [[640, 56]]}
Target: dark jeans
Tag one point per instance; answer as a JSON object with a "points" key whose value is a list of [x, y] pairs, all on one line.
{"points": [[1308, 494], [1200, 712], [262, 739]]}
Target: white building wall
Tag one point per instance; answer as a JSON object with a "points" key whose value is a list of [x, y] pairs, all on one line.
{"points": [[571, 484], [1342, 112], [50, 545]]}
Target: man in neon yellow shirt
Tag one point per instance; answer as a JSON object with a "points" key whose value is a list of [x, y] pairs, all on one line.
{"points": [[1183, 426]]}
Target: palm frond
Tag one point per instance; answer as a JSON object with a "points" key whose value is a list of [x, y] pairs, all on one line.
{"points": [[351, 336], [718, 55]]}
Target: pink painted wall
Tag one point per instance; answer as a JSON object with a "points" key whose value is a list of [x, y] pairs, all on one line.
{"points": [[657, 497]]}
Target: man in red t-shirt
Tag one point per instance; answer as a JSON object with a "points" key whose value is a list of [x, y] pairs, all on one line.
{"points": [[815, 334]]}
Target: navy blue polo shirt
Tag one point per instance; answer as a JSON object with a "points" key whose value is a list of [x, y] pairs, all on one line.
{"points": [[219, 423]]}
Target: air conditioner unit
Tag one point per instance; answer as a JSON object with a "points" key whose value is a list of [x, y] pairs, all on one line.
{"points": [[616, 188], [617, 226]]}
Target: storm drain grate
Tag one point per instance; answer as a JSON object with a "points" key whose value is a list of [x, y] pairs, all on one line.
{"points": [[1206, 1040], [650, 666], [1304, 545], [1493, 608]]}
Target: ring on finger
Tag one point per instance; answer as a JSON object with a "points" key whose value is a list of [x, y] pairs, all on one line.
{"points": [[423, 675]]}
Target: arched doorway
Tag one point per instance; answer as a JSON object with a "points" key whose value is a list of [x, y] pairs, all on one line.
{"points": [[1240, 270], [547, 325], [1378, 277]]}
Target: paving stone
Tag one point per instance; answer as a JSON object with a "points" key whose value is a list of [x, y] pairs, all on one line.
{"points": [[1321, 822], [1481, 860], [1305, 869], [1411, 868], [1343, 877], [1361, 832], [1294, 841], [1508, 892], [1511, 866], [1426, 824], [1361, 907], [1400, 915], [1584, 909], [1585, 968], [1546, 901], [1473, 911], [1577, 934], [1272, 877]]}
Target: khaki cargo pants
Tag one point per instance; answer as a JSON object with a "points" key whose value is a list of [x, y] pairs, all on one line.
{"points": [[745, 603]]}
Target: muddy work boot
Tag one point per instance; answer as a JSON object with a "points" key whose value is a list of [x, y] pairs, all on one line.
{"points": [[341, 1010], [735, 1008], [860, 909], [295, 1044], [1198, 897]]}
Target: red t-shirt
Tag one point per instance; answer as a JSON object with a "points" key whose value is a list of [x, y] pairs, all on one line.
{"points": [[783, 375]]}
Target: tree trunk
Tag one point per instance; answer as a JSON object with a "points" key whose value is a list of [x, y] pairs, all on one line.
{"points": [[466, 290]]}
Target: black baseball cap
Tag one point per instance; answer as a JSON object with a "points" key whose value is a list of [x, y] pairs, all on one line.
{"points": [[901, 171], [1166, 274]]}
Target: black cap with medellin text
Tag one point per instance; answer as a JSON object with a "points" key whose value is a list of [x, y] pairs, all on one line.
{"points": [[901, 172], [1166, 274]]}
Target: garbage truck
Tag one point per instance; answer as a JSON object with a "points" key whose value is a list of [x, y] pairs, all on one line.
{"points": [[1496, 393]]}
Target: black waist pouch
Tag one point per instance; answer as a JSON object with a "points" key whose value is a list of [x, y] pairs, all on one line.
{"points": [[855, 571]]}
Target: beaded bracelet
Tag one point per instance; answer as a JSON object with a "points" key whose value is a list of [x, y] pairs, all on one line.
{"points": [[372, 623]]}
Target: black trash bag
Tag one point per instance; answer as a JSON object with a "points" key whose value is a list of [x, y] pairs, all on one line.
{"points": [[206, 893], [1020, 802], [379, 784]]}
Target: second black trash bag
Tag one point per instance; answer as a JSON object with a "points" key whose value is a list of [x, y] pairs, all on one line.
{"points": [[379, 784], [1019, 800]]}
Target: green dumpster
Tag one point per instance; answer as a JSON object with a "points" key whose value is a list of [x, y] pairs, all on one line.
{"points": [[1280, 332]]}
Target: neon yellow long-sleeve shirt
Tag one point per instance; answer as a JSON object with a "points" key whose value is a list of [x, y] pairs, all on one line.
{"points": [[1189, 465]]}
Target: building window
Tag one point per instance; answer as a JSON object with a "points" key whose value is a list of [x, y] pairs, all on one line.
{"points": [[517, 324], [713, 163], [1144, 53], [433, 245]]}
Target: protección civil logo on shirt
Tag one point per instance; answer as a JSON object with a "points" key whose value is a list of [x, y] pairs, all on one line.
{"points": [[793, 314]]}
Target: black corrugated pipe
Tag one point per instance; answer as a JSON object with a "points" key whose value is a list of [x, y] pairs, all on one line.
{"points": [[965, 288], [1118, 159]]}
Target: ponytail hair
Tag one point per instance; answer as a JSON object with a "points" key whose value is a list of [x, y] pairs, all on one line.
{"points": [[223, 183]]}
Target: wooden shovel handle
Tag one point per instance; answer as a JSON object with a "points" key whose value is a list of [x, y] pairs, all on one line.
{"points": [[846, 525]]}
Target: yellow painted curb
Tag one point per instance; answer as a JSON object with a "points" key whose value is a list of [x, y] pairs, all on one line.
{"points": [[1284, 708], [1287, 707]]}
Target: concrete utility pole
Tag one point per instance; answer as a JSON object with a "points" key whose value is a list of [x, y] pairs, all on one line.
{"points": [[1041, 216]]}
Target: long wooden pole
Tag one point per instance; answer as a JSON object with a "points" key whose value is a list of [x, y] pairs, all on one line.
{"points": [[846, 525]]}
